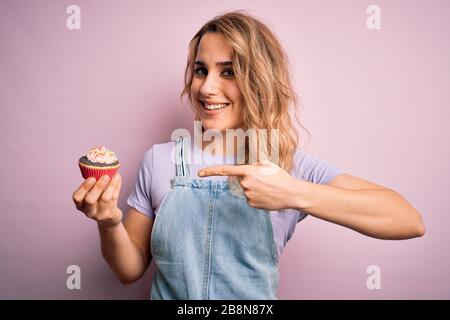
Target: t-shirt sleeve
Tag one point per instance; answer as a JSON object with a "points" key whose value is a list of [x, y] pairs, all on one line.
{"points": [[140, 195], [316, 170], [313, 169]]}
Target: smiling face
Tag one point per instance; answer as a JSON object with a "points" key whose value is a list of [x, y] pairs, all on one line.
{"points": [[215, 94]]}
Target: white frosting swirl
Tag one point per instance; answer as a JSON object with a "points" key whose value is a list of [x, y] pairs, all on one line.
{"points": [[101, 155]]}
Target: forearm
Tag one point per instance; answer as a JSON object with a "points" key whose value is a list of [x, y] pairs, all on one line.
{"points": [[382, 214], [123, 256]]}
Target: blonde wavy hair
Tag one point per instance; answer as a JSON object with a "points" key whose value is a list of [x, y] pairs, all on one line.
{"points": [[260, 66]]}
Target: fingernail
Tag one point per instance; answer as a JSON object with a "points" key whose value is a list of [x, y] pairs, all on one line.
{"points": [[105, 178], [201, 173]]}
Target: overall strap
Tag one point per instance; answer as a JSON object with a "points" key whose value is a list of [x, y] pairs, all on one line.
{"points": [[181, 160]]}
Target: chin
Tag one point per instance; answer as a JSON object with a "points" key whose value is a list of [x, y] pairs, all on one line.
{"points": [[208, 124]]}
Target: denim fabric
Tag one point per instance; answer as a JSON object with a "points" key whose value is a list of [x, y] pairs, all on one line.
{"points": [[208, 243]]}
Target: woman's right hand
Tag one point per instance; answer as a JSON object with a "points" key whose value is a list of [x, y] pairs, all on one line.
{"points": [[98, 199]]}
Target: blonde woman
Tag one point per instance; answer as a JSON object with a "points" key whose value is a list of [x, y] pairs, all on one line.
{"points": [[216, 232]]}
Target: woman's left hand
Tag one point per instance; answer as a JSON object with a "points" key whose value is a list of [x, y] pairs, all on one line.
{"points": [[266, 185]]}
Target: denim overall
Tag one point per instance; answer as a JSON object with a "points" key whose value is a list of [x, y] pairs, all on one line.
{"points": [[208, 243]]}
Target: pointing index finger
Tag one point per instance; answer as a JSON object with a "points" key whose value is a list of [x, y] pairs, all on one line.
{"points": [[223, 170]]}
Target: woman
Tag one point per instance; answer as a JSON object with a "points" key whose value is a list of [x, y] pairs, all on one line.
{"points": [[209, 239]]}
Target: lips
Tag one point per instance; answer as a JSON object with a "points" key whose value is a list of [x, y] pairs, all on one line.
{"points": [[213, 107]]}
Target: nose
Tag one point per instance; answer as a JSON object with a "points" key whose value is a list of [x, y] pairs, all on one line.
{"points": [[210, 86]]}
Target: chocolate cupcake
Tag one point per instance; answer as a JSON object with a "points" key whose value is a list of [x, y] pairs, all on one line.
{"points": [[97, 162]]}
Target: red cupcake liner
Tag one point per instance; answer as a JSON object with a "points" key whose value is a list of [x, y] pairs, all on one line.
{"points": [[97, 172]]}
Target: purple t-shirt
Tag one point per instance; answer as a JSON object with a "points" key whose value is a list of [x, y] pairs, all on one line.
{"points": [[158, 168]]}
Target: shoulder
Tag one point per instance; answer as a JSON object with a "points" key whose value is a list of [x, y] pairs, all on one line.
{"points": [[158, 151], [165, 146], [312, 168], [159, 159]]}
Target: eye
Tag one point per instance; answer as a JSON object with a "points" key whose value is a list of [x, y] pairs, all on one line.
{"points": [[197, 71], [230, 73]]}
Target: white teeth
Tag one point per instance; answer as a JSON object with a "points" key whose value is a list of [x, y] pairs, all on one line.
{"points": [[214, 106]]}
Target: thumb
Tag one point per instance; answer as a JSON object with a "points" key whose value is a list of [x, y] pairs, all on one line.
{"points": [[267, 168], [265, 162]]}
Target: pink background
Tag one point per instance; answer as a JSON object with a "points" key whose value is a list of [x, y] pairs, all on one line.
{"points": [[376, 102]]}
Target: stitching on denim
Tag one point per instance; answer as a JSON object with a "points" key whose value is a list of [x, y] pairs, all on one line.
{"points": [[272, 239], [208, 251], [157, 221]]}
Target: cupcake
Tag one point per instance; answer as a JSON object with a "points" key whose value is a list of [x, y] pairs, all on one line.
{"points": [[97, 162]]}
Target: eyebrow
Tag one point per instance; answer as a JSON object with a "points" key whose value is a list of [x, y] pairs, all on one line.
{"points": [[220, 63]]}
